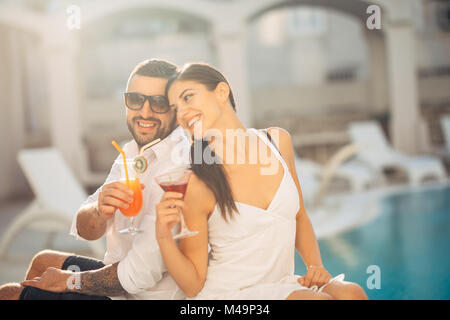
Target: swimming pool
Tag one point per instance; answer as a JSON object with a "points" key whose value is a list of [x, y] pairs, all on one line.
{"points": [[409, 242]]}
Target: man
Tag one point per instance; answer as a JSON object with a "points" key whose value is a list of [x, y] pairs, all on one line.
{"points": [[132, 267]]}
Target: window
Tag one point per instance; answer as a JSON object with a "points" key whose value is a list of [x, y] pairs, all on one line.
{"points": [[305, 22]]}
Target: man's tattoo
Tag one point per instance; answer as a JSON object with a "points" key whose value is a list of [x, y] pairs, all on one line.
{"points": [[101, 282]]}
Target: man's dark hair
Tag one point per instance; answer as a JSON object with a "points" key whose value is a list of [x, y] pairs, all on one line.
{"points": [[154, 68]]}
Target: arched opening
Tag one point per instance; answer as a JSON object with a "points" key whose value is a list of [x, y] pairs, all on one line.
{"points": [[314, 67]]}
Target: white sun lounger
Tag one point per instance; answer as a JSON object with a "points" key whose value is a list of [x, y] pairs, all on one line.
{"points": [[358, 176], [58, 196], [315, 178], [378, 154], [308, 173]]}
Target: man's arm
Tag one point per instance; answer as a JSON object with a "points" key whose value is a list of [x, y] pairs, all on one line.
{"points": [[92, 218], [90, 224], [101, 282]]}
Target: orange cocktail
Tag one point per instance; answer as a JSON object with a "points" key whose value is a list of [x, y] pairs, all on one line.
{"points": [[130, 178], [136, 205]]}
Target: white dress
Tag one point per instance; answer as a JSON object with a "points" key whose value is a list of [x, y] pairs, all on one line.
{"points": [[252, 254]]}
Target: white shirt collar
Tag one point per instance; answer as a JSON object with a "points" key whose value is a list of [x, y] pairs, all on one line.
{"points": [[160, 149], [165, 146]]}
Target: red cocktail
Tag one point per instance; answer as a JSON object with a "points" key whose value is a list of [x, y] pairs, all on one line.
{"points": [[167, 186], [177, 181]]}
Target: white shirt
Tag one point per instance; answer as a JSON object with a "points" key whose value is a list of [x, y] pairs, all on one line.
{"points": [[141, 270]]}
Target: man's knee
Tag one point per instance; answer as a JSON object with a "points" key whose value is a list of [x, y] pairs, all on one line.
{"points": [[10, 291], [44, 259]]}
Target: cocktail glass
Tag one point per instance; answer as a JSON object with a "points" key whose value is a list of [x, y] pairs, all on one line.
{"points": [[176, 181], [134, 184]]}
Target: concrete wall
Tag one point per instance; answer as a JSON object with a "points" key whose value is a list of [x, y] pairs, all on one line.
{"points": [[341, 97], [12, 121]]}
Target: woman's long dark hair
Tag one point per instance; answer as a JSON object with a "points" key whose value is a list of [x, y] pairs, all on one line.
{"points": [[213, 175]]}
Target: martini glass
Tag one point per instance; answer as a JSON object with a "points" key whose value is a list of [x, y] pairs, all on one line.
{"points": [[176, 181]]}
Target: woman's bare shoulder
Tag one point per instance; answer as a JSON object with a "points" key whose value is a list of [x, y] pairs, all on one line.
{"points": [[199, 195], [282, 139]]}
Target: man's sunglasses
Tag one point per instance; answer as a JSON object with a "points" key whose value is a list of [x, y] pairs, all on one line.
{"points": [[135, 101]]}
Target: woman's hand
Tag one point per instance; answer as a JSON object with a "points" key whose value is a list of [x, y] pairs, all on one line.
{"points": [[315, 275], [167, 214]]}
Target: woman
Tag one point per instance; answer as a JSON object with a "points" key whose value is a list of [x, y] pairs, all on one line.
{"points": [[252, 221]]}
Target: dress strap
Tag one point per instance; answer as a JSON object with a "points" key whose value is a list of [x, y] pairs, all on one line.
{"points": [[271, 144]]}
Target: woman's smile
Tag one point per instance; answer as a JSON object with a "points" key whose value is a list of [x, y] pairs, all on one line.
{"points": [[192, 120]]}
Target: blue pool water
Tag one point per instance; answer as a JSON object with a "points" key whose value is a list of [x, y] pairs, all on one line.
{"points": [[409, 242]]}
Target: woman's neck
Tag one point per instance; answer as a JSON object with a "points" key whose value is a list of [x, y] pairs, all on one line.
{"points": [[229, 140]]}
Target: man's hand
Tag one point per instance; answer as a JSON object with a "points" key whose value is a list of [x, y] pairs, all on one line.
{"points": [[52, 279], [315, 276], [100, 282], [113, 196], [92, 218]]}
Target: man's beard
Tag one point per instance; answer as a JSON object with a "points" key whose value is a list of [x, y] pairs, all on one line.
{"points": [[162, 132]]}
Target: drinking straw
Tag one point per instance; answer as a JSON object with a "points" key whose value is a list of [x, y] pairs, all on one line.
{"points": [[141, 164], [124, 159], [148, 145]]}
